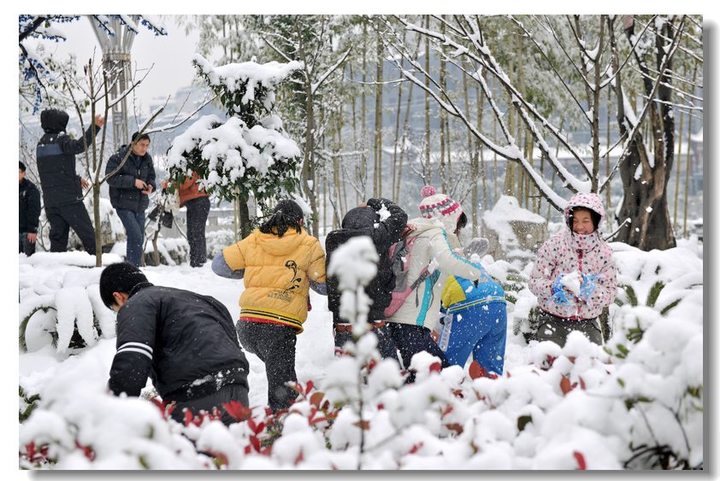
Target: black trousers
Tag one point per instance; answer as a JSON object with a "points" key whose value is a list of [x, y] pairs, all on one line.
{"points": [[231, 392], [197, 214], [62, 219], [556, 329], [26, 246], [274, 344], [411, 340]]}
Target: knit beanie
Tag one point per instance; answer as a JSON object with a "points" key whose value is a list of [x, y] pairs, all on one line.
{"points": [[438, 206]]}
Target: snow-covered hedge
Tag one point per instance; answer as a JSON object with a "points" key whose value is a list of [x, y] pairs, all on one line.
{"points": [[582, 406], [65, 310]]}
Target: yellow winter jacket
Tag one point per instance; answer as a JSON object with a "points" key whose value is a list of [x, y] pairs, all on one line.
{"points": [[278, 271]]}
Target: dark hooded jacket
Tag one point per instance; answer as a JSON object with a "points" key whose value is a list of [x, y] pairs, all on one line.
{"points": [[123, 193], [185, 342], [56, 159], [29, 206], [366, 221]]}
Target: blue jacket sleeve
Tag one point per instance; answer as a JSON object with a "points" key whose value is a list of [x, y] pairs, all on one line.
{"points": [[221, 268]]}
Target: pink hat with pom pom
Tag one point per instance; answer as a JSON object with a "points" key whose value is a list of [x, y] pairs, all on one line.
{"points": [[436, 205]]}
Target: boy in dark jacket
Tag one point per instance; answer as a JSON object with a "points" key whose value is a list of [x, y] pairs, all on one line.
{"points": [[62, 188], [185, 342], [29, 213], [383, 221], [131, 183]]}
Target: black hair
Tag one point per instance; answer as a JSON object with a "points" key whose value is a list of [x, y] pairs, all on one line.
{"points": [[461, 222], [286, 214], [120, 277], [594, 216], [22, 166], [139, 137]]}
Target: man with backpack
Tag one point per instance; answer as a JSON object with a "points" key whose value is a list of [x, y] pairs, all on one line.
{"points": [[383, 221]]}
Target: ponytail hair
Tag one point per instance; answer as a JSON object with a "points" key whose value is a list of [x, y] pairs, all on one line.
{"points": [[287, 214]]}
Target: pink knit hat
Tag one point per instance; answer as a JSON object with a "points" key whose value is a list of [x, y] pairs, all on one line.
{"points": [[437, 206]]}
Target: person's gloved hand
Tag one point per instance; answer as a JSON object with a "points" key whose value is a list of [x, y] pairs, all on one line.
{"points": [[559, 295], [478, 245], [589, 283]]}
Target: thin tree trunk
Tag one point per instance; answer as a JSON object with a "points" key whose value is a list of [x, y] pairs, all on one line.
{"points": [[397, 129], [443, 118], [427, 98], [377, 185], [688, 164], [363, 115], [406, 124]]}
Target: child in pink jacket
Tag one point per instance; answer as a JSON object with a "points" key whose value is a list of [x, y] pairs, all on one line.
{"points": [[574, 277]]}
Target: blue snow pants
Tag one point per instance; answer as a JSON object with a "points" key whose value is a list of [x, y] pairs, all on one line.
{"points": [[480, 329]]}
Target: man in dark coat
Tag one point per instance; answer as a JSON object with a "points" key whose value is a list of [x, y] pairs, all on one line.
{"points": [[29, 213], [131, 183], [62, 188], [383, 221], [185, 342]]}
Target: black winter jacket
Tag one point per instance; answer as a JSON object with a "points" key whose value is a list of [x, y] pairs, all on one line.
{"points": [[56, 159], [366, 221], [185, 342], [29, 206], [123, 193]]}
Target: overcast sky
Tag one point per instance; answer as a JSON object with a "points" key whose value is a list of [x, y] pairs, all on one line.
{"points": [[169, 56]]}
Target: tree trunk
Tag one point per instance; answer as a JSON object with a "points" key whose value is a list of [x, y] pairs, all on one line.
{"points": [[308, 168], [98, 224], [645, 199], [377, 184], [243, 215], [427, 97]]}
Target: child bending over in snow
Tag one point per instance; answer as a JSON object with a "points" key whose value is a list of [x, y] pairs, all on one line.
{"points": [[474, 322], [574, 277], [279, 262]]}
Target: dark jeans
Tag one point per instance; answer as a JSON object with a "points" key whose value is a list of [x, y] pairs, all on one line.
{"points": [[134, 223], [385, 346], [231, 392], [197, 214], [274, 344], [27, 247], [413, 339], [63, 218], [556, 329]]}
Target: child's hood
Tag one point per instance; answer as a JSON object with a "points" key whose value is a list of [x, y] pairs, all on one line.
{"points": [[281, 246], [590, 201]]}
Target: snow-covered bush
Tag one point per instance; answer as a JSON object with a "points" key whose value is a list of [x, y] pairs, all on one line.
{"points": [[217, 240], [576, 407], [67, 313]]}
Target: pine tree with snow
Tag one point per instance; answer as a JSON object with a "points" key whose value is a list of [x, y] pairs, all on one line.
{"points": [[249, 154]]}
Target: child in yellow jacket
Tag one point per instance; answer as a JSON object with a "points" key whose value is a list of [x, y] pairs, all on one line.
{"points": [[279, 262]]}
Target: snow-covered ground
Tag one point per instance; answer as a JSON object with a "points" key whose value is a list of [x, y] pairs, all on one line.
{"points": [[578, 407]]}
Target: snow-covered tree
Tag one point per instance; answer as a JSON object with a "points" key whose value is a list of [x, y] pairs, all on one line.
{"points": [[584, 56], [38, 75], [249, 154]]}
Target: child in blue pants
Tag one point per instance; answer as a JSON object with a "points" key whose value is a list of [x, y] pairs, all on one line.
{"points": [[475, 321]]}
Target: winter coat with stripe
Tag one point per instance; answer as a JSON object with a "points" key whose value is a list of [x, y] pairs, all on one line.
{"points": [[365, 222], [277, 275], [123, 193], [56, 160], [185, 342], [434, 248], [29, 206], [567, 252]]}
